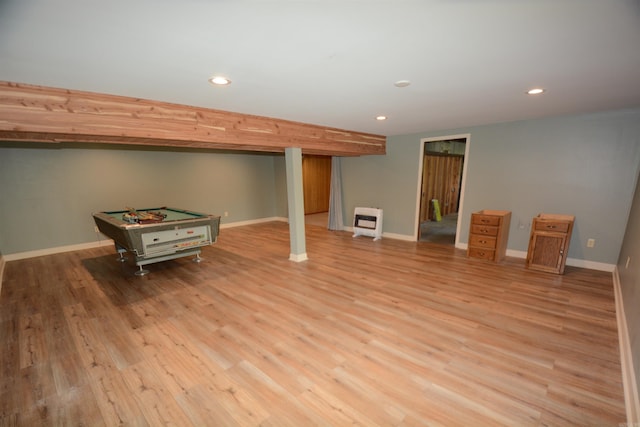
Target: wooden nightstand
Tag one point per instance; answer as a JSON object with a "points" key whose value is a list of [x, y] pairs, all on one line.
{"points": [[549, 242], [489, 234]]}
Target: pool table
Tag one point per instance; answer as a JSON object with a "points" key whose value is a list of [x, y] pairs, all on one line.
{"points": [[158, 234]]}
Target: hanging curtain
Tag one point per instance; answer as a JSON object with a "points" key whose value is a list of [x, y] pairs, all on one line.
{"points": [[335, 196]]}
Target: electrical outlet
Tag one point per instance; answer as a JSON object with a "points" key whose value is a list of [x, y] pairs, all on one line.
{"points": [[226, 213], [95, 227], [591, 243]]}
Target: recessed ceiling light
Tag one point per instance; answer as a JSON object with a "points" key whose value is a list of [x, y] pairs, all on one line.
{"points": [[402, 83], [535, 91], [219, 81], [381, 118]]}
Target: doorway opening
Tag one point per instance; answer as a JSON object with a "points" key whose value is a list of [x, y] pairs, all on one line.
{"points": [[316, 188], [441, 188]]}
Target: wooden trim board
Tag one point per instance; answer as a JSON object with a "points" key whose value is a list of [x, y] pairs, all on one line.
{"points": [[42, 114]]}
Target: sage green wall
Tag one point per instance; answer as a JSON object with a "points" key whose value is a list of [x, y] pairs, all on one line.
{"points": [[387, 182], [630, 280], [280, 172], [47, 195], [583, 165]]}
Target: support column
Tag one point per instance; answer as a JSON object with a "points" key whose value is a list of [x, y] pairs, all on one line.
{"points": [[295, 199]]}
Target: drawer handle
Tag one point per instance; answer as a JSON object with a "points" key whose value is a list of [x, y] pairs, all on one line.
{"points": [[483, 241], [481, 253], [551, 226], [484, 220]]}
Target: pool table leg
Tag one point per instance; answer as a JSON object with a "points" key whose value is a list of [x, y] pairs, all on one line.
{"points": [[121, 252], [141, 272]]}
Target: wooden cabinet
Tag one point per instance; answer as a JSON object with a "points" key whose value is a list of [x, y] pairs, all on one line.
{"points": [[549, 242], [489, 235]]}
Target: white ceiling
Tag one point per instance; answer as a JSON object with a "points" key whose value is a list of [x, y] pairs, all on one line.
{"points": [[334, 62]]}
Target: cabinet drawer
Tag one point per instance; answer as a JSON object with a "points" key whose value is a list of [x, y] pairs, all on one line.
{"points": [[482, 241], [482, 253], [485, 219], [556, 226], [486, 230]]}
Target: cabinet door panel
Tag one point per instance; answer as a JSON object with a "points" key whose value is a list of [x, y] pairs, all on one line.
{"points": [[549, 242], [547, 252]]}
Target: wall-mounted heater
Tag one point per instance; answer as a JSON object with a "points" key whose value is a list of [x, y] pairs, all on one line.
{"points": [[367, 222]]}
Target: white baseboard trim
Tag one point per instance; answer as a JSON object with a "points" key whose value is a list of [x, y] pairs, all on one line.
{"points": [[631, 400], [253, 221], [516, 254], [573, 262], [108, 242], [57, 250], [592, 265], [387, 235], [399, 237]]}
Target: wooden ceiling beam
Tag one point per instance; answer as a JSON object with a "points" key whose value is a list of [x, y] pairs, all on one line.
{"points": [[43, 114]]}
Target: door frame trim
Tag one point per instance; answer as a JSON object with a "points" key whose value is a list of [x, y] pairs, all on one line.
{"points": [[465, 164]]}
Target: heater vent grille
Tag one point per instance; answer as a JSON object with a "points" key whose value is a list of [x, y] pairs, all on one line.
{"points": [[367, 222]]}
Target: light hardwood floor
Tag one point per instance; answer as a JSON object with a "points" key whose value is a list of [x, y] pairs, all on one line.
{"points": [[365, 333]]}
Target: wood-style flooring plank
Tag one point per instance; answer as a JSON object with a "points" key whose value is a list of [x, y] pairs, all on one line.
{"points": [[363, 333]]}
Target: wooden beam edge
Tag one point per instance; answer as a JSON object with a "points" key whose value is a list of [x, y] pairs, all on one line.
{"points": [[42, 114]]}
